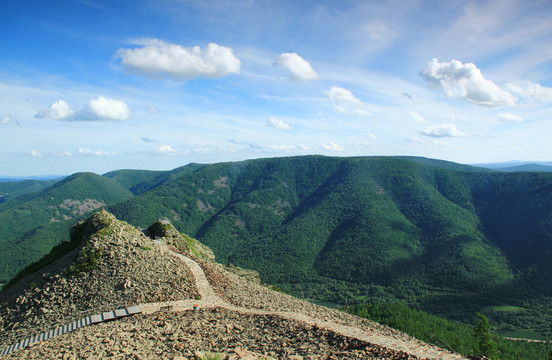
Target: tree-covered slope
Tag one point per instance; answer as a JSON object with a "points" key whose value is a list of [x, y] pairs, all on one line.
{"points": [[361, 220], [337, 229], [131, 178], [11, 190], [32, 224]]}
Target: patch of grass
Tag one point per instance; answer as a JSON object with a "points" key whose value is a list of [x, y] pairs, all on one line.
{"points": [[145, 248], [507, 308], [521, 334], [90, 259], [57, 252]]}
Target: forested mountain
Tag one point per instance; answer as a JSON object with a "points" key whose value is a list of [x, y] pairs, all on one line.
{"points": [[335, 229], [31, 224], [11, 189], [449, 238]]}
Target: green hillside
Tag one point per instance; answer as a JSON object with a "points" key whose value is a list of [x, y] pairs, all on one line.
{"points": [[131, 178], [32, 224], [450, 238], [445, 333], [161, 177], [393, 220], [11, 190], [347, 229]]}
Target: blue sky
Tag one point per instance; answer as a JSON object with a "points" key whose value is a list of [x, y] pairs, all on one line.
{"points": [[90, 85]]}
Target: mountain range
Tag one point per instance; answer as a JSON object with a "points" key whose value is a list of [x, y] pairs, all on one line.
{"points": [[449, 238], [155, 293]]}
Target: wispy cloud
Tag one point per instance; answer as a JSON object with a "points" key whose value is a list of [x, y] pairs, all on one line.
{"points": [[98, 152], [417, 117], [331, 146], [148, 140], [277, 124], [9, 120], [531, 91], [443, 130], [507, 117]]}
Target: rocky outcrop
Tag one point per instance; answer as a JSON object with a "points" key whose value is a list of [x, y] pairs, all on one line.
{"points": [[165, 231], [129, 269]]}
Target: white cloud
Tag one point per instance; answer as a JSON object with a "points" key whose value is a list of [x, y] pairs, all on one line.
{"points": [[86, 151], [157, 59], [148, 140], [278, 124], [507, 117], [8, 120], [60, 110], [332, 147], [284, 147], [35, 153], [531, 91], [166, 149], [370, 136], [299, 68], [345, 102], [465, 81], [443, 130], [417, 117], [109, 109], [97, 109]]}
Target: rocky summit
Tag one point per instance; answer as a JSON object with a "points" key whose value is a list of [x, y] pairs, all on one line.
{"points": [[190, 307]]}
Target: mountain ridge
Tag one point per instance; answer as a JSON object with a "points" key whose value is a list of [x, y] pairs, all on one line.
{"points": [[318, 227]]}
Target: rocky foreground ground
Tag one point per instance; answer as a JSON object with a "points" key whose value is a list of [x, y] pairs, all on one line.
{"points": [[237, 319]]}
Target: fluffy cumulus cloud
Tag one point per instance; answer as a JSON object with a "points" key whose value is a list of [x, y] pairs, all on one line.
{"points": [[109, 109], [60, 110], [97, 109], [345, 102], [507, 117], [465, 81], [443, 130], [299, 68], [35, 153], [531, 91], [158, 59], [278, 124]]}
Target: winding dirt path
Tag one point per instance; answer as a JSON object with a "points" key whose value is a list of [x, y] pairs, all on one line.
{"points": [[209, 299]]}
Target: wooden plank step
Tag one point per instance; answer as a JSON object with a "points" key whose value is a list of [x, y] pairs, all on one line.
{"points": [[108, 315], [134, 310], [121, 313], [95, 319]]}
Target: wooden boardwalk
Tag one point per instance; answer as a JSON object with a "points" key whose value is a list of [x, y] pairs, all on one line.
{"points": [[89, 320]]}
